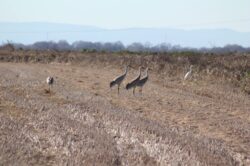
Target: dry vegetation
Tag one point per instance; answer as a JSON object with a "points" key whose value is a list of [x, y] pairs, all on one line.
{"points": [[231, 67], [205, 121]]}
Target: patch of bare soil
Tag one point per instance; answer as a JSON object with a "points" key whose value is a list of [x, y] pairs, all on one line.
{"points": [[82, 122]]}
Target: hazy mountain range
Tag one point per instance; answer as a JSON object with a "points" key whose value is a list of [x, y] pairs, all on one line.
{"points": [[28, 33]]}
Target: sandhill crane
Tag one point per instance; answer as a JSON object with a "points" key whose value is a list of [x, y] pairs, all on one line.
{"points": [[133, 83], [188, 74], [50, 81], [143, 81], [118, 80]]}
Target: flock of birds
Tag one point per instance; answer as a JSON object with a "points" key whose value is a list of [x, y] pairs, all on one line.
{"points": [[138, 81]]}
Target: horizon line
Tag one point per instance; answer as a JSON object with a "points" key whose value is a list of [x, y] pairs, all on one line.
{"points": [[125, 28]]}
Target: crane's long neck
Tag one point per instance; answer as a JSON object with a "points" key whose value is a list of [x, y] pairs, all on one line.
{"points": [[190, 69], [146, 73], [139, 73], [126, 70]]}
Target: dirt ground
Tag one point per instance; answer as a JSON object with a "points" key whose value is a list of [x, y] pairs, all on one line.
{"points": [[83, 122]]}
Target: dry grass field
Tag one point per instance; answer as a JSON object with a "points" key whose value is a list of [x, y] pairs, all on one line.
{"points": [[202, 121]]}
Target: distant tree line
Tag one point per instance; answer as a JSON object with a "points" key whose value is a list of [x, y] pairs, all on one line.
{"points": [[119, 46]]}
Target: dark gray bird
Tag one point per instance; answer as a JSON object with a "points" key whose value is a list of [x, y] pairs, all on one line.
{"points": [[50, 81], [143, 81], [118, 80], [133, 83]]}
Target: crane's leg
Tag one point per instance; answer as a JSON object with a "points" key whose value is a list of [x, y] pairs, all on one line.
{"points": [[110, 89], [118, 89], [134, 91]]}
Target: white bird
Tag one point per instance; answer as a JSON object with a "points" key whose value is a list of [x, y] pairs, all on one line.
{"points": [[50, 81], [118, 80], [188, 74]]}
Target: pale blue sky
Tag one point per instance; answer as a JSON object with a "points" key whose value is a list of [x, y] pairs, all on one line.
{"points": [[189, 14]]}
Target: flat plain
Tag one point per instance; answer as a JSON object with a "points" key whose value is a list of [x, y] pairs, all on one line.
{"points": [[84, 122]]}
